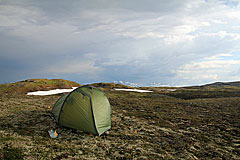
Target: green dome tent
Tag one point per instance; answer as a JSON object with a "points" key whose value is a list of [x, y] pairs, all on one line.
{"points": [[86, 108]]}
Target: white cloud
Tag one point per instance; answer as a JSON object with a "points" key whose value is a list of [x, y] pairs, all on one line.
{"points": [[211, 64], [73, 67], [217, 21], [219, 56], [139, 35], [233, 14], [15, 16], [168, 28], [209, 69], [139, 40], [224, 34], [224, 55], [82, 65]]}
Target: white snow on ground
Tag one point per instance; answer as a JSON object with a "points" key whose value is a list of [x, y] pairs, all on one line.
{"points": [[51, 92], [132, 90], [171, 90]]}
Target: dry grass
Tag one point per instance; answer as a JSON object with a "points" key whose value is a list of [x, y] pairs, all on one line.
{"points": [[158, 125], [29, 85]]}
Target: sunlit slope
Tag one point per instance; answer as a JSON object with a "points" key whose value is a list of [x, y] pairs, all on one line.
{"points": [[29, 85]]}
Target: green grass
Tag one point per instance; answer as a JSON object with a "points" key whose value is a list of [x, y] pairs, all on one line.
{"points": [[11, 153]]}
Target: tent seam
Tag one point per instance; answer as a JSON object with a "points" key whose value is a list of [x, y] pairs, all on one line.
{"points": [[94, 123], [63, 105]]}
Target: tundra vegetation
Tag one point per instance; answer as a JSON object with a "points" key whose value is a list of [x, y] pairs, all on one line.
{"points": [[199, 122]]}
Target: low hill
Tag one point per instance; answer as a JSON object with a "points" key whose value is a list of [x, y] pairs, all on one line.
{"points": [[29, 85], [221, 84], [217, 85], [103, 85], [213, 90]]}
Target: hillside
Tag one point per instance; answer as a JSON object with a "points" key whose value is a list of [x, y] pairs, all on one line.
{"points": [[220, 84], [29, 85], [181, 123], [105, 86]]}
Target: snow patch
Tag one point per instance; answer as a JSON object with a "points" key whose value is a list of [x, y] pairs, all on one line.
{"points": [[132, 90], [51, 92]]}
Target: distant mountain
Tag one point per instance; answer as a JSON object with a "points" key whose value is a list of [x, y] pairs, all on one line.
{"points": [[132, 84], [128, 83]]}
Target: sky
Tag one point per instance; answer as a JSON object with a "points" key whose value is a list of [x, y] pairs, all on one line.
{"points": [[160, 42]]}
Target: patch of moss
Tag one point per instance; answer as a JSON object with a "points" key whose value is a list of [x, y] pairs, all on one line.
{"points": [[11, 153]]}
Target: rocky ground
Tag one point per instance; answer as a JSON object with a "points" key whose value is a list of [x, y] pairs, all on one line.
{"points": [[157, 125]]}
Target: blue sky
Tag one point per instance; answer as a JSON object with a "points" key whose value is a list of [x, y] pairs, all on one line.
{"points": [[141, 41]]}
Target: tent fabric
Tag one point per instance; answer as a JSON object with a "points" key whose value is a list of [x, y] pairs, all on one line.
{"points": [[86, 108]]}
